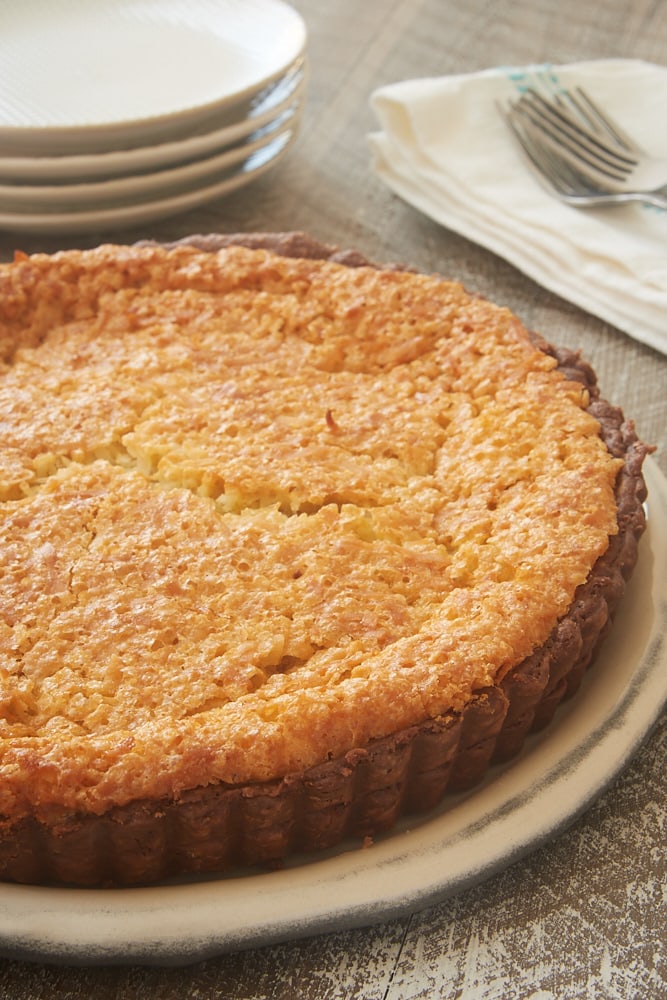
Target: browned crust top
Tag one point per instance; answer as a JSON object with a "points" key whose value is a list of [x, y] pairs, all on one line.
{"points": [[542, 674]]}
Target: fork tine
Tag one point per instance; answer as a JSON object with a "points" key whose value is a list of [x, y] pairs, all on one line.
{"points": [[562, 130], [567, 156], [563, 121], [591, 113], [587, 107], [561, 168], [535, 153], [558, 172]]}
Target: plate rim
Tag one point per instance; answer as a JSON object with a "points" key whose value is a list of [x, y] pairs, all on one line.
{"points": [[114, 163], [118, 926], [102, 195], [131, 215], [123, 129]]}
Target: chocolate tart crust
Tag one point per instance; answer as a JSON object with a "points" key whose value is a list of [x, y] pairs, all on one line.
{"points": [[221, 827]]}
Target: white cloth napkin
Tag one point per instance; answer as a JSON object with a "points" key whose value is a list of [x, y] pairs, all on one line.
{"points": [[446, 150]]}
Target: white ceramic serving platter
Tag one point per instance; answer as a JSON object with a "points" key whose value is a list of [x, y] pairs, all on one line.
{"points": [[86, 77], [517, 808], [137, 212], [285, 97], [103, 194]]}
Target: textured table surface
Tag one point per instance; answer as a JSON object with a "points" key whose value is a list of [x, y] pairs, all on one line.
{"points": [[586, 914]]}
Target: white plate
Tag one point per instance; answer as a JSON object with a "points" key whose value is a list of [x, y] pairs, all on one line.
{"points": [[516, 809], [124, 216], [80, 76], [284, 97], [99, 195]]}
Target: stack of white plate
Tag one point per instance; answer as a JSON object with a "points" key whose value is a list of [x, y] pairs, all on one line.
{"points": [[118, 112]]}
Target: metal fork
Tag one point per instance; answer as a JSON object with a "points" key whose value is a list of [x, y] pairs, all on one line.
{"points": [[584, 155]]}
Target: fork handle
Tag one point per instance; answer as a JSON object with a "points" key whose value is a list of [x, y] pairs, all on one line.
{"points": [[658, 198]]}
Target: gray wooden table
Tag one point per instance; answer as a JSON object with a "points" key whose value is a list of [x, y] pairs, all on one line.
{"points": [[584, 915]]}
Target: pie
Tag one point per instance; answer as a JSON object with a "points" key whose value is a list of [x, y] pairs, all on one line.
{"points": [[291, 546]]}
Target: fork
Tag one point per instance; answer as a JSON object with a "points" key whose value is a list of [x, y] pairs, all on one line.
{"points": [[583, 154]]}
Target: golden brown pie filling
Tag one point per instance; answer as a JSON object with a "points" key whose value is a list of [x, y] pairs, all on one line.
{"points": [[263, 512]]}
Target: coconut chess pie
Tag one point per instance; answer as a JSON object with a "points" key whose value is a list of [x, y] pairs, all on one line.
{"points": [[291, 545]]}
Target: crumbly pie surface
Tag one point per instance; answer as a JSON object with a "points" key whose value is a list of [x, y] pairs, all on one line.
{"points": [[266, 517]]}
